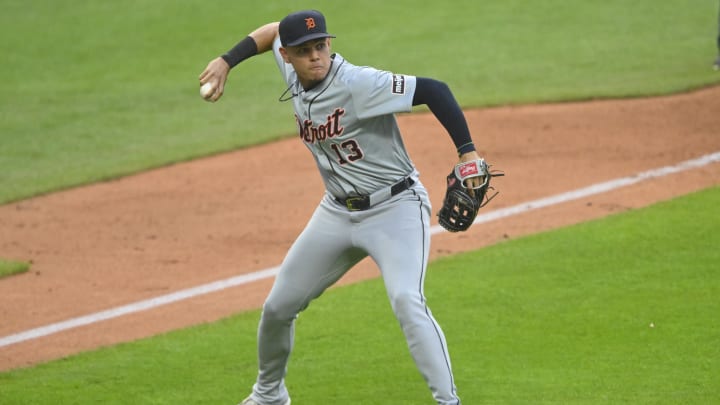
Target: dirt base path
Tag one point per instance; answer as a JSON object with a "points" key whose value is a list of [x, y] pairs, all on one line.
{"points": [[115, 243]]}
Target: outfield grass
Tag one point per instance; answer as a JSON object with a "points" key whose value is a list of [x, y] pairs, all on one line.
{"points": [[93, 90], [621, 310]]}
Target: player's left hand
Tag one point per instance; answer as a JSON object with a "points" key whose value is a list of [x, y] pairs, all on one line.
{"points": [[215, 72]]}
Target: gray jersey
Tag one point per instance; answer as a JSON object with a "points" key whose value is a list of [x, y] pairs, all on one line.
{"points": [[347, 121]]}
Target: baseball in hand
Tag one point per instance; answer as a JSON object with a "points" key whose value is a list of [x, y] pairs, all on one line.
{"points": [[206, 90]]}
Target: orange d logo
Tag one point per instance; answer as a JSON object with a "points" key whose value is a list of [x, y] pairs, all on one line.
{"points": [[310, 23]]}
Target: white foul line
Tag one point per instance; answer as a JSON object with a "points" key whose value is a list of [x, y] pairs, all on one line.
{"points": [[272, 272], [138, 306]]}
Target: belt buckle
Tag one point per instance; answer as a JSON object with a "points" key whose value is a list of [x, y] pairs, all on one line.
{"points": [[354, 203]]}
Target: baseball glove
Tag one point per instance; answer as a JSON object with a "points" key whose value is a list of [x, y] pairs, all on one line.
{"points": [[461, 204]]}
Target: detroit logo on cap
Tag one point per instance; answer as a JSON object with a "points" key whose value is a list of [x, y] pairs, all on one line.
{"points": [[310, 22]]}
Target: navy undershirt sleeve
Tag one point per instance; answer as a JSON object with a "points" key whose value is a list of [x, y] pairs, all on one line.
{"points": [[441, 102]]}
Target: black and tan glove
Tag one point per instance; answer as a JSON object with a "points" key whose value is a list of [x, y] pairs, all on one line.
{"points": [[461, 204]]}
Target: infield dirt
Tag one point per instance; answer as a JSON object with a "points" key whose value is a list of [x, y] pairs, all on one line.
{"points": [[115, 243]]}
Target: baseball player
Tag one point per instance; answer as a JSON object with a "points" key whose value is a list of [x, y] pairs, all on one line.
{"points": [[374, 204]]}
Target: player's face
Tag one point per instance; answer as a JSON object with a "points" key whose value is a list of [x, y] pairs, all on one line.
{"points": [[311, 60]]}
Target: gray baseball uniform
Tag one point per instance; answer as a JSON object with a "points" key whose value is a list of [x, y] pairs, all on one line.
{"points": [[374, 206]]}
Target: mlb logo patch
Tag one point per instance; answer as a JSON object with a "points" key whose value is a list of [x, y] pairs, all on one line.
{"points": [[398, 84]]}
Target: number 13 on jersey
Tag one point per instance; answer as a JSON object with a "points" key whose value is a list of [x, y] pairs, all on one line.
{"points": [[348, 151]]}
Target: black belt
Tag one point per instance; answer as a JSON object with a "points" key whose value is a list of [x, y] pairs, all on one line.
{"points": [[363, 202]]}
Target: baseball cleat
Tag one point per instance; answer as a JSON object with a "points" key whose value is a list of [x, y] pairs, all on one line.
{"points": [[250, 401]]}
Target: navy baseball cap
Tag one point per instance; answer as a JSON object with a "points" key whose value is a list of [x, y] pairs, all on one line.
{"points": [[302, 26]]}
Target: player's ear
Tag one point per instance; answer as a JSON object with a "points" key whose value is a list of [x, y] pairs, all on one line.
{"points": [[284, 54]]}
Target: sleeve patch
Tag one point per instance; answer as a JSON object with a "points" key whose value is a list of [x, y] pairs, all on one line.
{"points": [[398, 84]]}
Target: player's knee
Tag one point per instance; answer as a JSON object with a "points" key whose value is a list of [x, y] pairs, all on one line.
{"points": [[406, 303], [277, 311]]}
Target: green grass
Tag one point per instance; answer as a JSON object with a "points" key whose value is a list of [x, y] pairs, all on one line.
{"points": [[562, 317], [10, 267], [93, 90]]}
